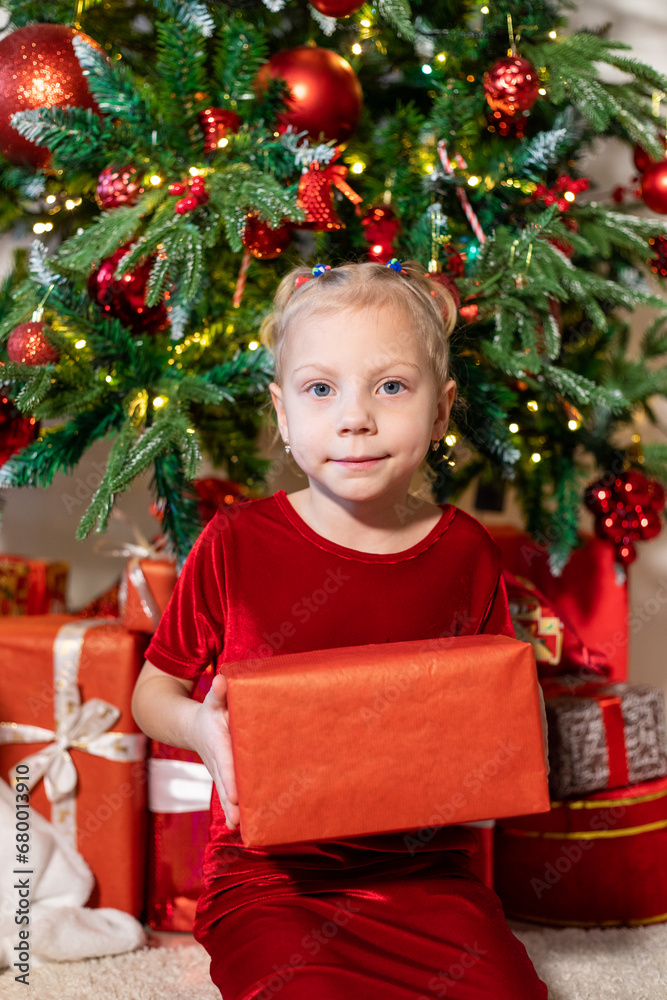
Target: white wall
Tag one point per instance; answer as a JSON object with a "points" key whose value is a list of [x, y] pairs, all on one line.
{"points": [[42, 523]]}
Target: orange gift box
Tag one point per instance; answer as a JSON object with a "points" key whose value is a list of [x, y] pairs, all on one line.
{"points": [[145, 591], [385, 737], [65, 705]]}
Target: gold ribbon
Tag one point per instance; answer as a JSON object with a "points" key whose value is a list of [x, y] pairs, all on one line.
{"points": [[86, 727]]}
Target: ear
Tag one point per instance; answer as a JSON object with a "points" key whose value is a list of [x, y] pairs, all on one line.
{"points": [[277, 397], [443, 408]]}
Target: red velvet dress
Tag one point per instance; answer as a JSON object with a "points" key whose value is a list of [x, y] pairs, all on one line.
{"points": [[361, 918]]}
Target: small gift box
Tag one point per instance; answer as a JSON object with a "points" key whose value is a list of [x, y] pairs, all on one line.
{"points": [[595, 861], [32, 586], [179, 816], [605, 736], [145, 589], [68, 732], [385, 737]]}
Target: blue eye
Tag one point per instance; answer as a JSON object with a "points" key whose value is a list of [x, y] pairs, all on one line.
{"points": [[315, 385], [393, 382]]}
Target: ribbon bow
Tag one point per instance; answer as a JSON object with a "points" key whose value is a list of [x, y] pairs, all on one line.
{"points": [[140, 549]]}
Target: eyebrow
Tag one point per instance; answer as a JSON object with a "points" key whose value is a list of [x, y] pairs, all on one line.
{"points": [[392, 362]]}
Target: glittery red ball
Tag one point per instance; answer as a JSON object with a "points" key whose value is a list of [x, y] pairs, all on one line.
{"points": [[38, 68], [262, 241], [118, 186], [511, 85], [124, 298], [326, 96], [216, 123], [610, 526], [337, 8], [599, 498], [654, 187], [28, 345], [631, 488], [16, 431]]}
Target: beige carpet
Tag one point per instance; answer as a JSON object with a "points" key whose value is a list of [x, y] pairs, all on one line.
{"points": [[613, 964]]}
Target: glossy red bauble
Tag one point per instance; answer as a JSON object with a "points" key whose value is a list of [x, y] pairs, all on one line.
{"points": [[38, 68], [262, 241], [337, 8], [654, 187], [644, 160], [16, 431], [125, 298], [511, 85], [326, 97]]}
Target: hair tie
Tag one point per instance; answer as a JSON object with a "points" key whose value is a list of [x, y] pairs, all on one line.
{"points": [[394, 264], [316, 272]]}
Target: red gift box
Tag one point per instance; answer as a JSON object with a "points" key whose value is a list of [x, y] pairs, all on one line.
{"points": [[67, 690], [145, 589], [598, 861], [465, 737], [179, 816], [587, 592], [32, 586]]}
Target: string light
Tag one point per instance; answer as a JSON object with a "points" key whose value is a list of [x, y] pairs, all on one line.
{"points": [[50, 198], [536, 457], [80, 344], [427, 69], [429, 168], [223, 142], [158, 402], [253, 345], [155, 180], [573, 425], [358, 167], [356, 48], [450, 439], [485, 9], [441, 57], [190, 430], [553, 34], [108, 378], [474, 180], [569, 196], [514, 428], [532, 405], [541, 92], [365, 23]]}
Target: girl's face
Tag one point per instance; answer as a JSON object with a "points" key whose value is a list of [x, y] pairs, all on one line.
{"points": [[358, 387]]}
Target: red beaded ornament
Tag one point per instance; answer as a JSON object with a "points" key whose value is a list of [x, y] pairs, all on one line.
{"points": [[626, 509], [118, 186], [28, 345], [125, 298]]}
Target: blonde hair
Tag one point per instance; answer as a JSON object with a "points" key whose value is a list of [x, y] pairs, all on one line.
{"points": [[428, 305]]}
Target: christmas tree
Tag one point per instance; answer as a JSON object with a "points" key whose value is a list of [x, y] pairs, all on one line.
{"points": [[178, 157]]}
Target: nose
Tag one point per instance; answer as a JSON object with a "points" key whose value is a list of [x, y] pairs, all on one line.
{"points": [[355, 414]]}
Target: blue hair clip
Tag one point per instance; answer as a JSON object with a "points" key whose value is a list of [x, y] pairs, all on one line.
{"points": [[394, 264], [320, 269]]}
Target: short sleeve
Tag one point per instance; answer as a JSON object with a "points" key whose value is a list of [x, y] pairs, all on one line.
{"points": [[497, 620], [190, 633]]}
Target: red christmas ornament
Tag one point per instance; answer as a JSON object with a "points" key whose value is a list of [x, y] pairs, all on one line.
{"points": [[214, 493], [659, 262], [626, 554], [177, 188], [124, 298], [380, 229], [187, 204], [626, 509], [654, 187], [118, 186], [262, 241], [28, 345], [337, 8], [38, 68], [326, 96], [440, 278], [632, 488], [216, 124], [16, 431], [469, 312], [650, 523], [511, 85], [644, 160], [315, 195], [508, 126]]}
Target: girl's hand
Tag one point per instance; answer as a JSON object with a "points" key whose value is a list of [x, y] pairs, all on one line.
{"points": [[211, 739]]}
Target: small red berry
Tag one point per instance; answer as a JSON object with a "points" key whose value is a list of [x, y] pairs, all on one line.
{"points": [[176, 188]]}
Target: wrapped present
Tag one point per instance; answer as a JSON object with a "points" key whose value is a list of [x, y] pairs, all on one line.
{"points": [[145, 589], [456, 721], [179, 815], [588, 591], [598, 861], [32, 586], [605, 736], [68, 730]]}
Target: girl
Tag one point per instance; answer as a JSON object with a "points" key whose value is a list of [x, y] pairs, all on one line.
{"points": [[361, 390]]}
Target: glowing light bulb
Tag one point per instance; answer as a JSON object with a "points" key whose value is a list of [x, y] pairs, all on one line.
{"points": [[514, 428], [441, 56], [450, 439], [108, 378], [427, 69], [80, 343], [365, 23], [541, 92], [474, 180], [253, 345], [358, 167], [553, 34], [158, 402], [70, 204], [223, 142], [532, 405], [155, 180], [569, 196], [356, 48], [484, 9], [50, 198], [190, 430], [429, 168], [573, 424], [536, 457]]}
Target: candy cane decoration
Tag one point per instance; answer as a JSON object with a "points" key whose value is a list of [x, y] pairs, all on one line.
{"points": [[241, 280], [462, 196]]}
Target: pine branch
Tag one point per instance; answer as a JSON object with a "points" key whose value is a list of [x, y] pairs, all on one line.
{"points": [[74, 134], [190, 13]]}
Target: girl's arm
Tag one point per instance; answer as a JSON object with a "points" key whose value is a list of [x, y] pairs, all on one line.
{"points": [[163, 708]]}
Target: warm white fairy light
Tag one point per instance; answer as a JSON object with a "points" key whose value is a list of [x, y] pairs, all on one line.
{"points": [[569, 196], [42, 227], [223, 142], [253, 345], [450, 439], [155, 180], [441, 57], [536, 457], [573, 425], [158, 402], [473, 180], [50, 198], [532, 405], [514, 428], [427, 69], [553, 34], [80, 343], [356, 48], [365, 23], [358, 167]]}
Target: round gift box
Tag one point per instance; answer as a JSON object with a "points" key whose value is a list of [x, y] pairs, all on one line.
{"points": [[597, 861]]}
